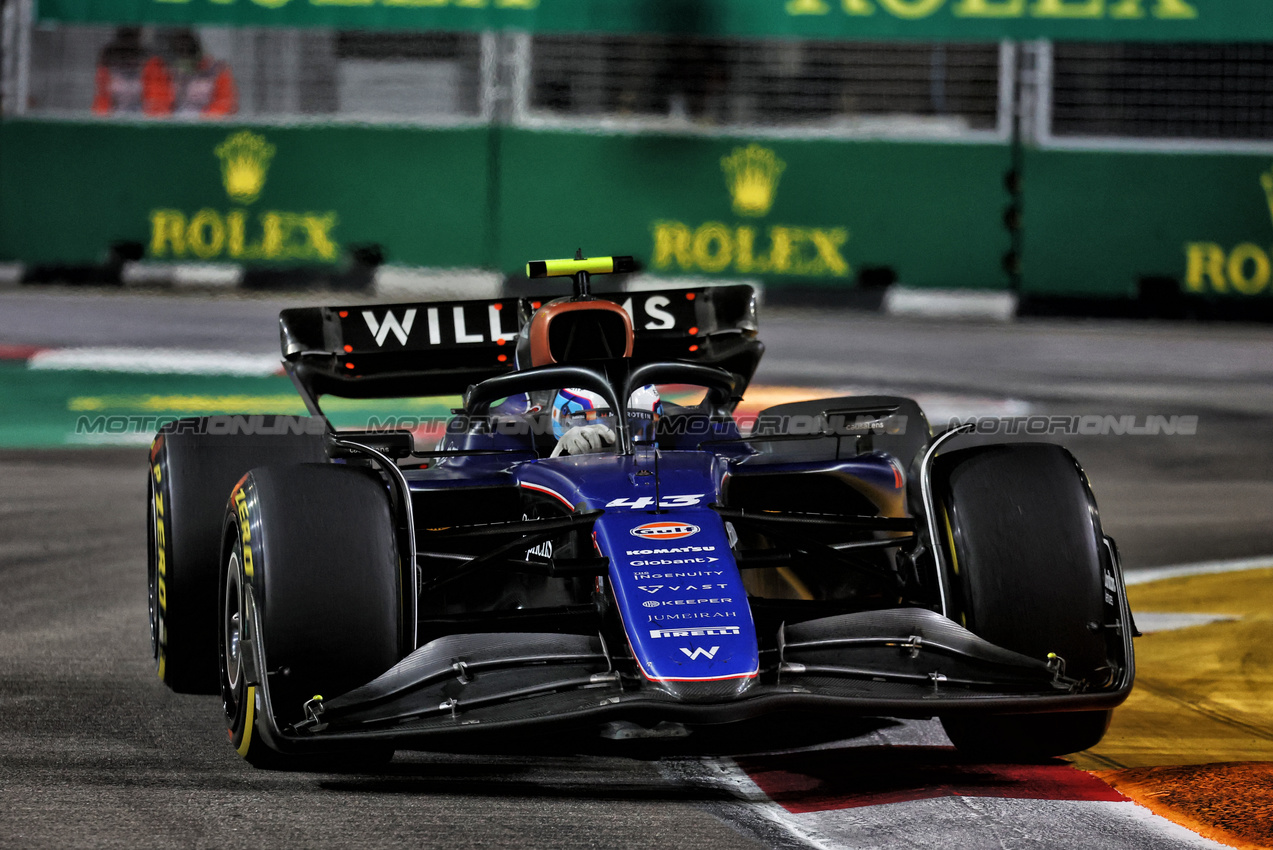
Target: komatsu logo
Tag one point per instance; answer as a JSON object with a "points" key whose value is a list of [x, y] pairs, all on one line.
{"points": [[381, 330], [665, 530]]}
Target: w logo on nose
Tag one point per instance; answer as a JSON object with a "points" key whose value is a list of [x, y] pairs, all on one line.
{"points": [[380, 330], [698, 650]]}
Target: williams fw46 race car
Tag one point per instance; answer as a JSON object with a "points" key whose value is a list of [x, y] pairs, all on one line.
{"points": [[594, 544]]}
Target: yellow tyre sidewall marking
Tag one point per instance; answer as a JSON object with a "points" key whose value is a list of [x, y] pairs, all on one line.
{"points": [[160, 529], [249, 719], [954, 556]]}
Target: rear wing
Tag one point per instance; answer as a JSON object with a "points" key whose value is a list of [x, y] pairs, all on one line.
{"points": [[441, 347]]}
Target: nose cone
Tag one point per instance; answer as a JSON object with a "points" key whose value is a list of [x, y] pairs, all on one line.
{"points": [[682, 601]]}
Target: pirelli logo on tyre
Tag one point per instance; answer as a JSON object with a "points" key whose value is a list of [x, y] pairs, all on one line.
{"points": [[245, 526], [159, 579], [665, 530]]}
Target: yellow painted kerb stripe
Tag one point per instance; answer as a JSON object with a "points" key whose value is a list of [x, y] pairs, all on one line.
{"points": [[247, 722]]}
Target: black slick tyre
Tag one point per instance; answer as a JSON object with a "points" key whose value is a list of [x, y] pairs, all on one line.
{"points": [[310, 585], [1025, 568], [193, 465]]}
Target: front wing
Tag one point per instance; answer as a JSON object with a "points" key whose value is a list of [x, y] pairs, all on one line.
{"points": [[897, 663]]}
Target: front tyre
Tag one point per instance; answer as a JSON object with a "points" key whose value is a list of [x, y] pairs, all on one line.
{"points": [[1027, 737], [1025, 569], [310, 600]]}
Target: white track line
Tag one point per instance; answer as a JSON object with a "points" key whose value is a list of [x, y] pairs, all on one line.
{"points": [[934, 823], [1198, 569], [1153, 621], [172, 361]]}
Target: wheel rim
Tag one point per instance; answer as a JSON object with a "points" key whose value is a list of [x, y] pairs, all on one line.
{"points": [[232, 622]]}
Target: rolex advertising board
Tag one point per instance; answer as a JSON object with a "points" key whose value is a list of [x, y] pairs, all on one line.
{"points": [[960, 20], [262, 195], [795, 212], [789, 212], [1204, 220]]}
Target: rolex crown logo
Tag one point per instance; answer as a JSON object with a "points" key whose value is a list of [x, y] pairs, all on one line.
{"points": [[752, 176], [1266, 180], [245, 159]]}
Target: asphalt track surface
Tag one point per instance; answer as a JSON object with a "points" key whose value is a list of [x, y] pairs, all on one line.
{"points": [[95, 752]]}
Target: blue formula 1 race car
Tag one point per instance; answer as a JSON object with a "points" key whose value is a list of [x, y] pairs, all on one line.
{"points": [[594, 544]]}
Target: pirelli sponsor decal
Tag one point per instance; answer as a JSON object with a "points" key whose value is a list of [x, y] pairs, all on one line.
{"points": [[695, 631]]}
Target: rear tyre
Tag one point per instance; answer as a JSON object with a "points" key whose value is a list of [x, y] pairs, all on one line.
{"points": [[1025, 568], [311, 576], [193, 465]]}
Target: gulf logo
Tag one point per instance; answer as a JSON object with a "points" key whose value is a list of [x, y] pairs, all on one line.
{"points": [[664, 530]]}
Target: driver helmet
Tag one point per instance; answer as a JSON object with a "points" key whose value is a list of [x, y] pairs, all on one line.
{"points": [[572, 407], [644, 410]]}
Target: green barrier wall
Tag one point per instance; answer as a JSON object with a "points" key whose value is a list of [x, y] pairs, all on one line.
{"points": [[1096, 223], [225, 193], [795, 211], [952, 20], [786, 211]]}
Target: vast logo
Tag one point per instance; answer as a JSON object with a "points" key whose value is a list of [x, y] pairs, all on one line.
{"points": [[665, 530], [390, 323], [235, 234], [1245, 269], [751, 175]]}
